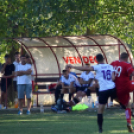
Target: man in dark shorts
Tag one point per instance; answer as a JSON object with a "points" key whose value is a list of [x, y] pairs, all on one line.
{"points": [[123, 71], [105, 77], [7, 70]]}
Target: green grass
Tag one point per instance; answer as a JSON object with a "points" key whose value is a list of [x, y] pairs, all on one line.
{"points": [[71, 123]]}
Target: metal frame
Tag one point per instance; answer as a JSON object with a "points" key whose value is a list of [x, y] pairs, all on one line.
{"points": [[98, 46], [71, 45], [53, 54]]}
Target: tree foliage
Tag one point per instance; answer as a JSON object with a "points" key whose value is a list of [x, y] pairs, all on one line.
{"points": [[40, 18]]}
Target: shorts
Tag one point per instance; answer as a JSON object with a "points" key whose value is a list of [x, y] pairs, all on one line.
{"points": [[123, 93], [24, 89], [104, 95], [84, 89], [15, 86], [3, 84]]}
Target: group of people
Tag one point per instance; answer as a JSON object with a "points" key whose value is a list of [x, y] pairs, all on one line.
{"points": [[111, 80], [21, 72]]}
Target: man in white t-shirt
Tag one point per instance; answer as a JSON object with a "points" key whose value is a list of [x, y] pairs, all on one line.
{"points": [[105, 77], [24, 84], [69, 83], [16, 63]]}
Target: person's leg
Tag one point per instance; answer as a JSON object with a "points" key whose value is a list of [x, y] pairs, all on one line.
{"points": [[28, 89], [77, 98], [71, 92], [20, 88], [128, 117], [62, 93], [103, 98], [28, 104], [100, 116], [20, 104], [57, 92], [3, 98]]}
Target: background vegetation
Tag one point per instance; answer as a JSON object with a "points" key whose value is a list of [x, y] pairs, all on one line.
{"points": [[40, 18]]}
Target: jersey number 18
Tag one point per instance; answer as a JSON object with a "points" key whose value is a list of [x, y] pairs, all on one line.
{"points": [[107, 74]]}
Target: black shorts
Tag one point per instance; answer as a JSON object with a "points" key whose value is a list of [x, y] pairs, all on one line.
{"points": [[15, 86], [104, 95], [81, 89], [3, 84]]}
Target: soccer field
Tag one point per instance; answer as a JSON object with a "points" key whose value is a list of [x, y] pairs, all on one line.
{"points": [[72, 123]]}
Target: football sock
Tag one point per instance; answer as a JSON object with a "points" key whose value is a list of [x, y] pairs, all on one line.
{"points": [[100, 120], [88, 92], [62, 95], [57, 93], [76, 100], [70, 95], [128, 115], [123, 106]]}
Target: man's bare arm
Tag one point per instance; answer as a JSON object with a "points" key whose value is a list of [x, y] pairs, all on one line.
{"points": [[84, 68], [86, 82], [20, 73]]}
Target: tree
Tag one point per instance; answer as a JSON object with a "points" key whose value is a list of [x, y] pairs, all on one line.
{"points": [[40, 18]]}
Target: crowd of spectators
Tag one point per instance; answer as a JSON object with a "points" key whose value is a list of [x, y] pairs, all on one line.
{"points": [[20, 74]]}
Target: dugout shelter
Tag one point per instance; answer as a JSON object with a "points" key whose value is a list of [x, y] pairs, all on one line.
{"points": [[50, 54]]}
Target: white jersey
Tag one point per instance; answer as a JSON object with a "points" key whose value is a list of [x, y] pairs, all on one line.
{"points": [[15, 64], [104, 76], [86, 76], [71, 78]]}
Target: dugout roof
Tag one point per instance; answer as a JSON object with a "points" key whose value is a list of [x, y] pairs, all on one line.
{"points": [[51, 54]]}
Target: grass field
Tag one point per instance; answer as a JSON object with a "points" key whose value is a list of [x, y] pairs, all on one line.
{"points": [[72, 123]]}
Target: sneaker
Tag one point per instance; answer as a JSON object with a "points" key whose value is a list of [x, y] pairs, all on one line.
{"points": [[28, 112], [110, 104], [100, 130], [130, 128], [20, 113]]}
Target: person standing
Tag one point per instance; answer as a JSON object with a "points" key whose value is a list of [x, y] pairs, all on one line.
{"points": [[24, 84], [16, 63], [7, 70]]}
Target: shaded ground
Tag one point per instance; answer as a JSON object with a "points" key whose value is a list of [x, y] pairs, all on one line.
{"points": [[72, 123]]}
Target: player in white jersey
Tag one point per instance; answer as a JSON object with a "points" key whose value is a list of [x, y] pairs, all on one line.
{"points": [[105, 77], [69, 83]]}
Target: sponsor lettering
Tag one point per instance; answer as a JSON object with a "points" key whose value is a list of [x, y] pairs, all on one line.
{"points": [[77, 60]]}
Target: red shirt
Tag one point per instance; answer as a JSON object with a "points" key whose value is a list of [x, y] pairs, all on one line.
{"points": [[123, 71]]}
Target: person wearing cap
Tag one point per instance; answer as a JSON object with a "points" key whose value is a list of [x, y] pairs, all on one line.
{"points": [[24, 84], [7, 70]]}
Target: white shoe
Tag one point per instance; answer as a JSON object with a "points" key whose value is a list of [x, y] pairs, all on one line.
{"points": [[110, 104]]}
